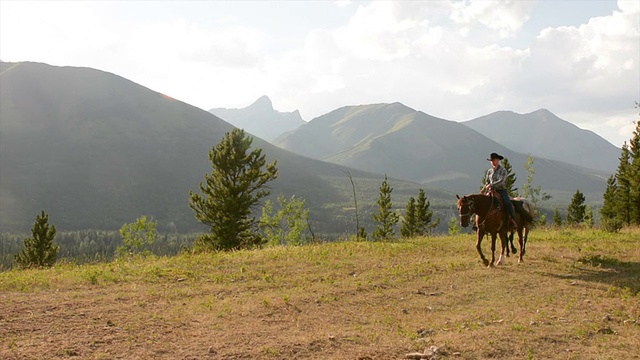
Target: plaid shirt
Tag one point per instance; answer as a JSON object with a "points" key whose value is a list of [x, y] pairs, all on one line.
{"points": [[497, 177]]}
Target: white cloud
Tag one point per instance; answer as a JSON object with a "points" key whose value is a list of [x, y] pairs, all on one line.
{"points": [[447, 58], [505, 17], [343, 3]]}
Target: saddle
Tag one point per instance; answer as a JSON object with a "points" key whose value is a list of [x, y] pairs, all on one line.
{"points": [[497, 202]]}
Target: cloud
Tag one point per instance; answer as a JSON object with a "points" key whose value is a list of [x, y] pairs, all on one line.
{"points": [[452, 59], [593, 68], [418, 53], [342, 3], [505, 17]]}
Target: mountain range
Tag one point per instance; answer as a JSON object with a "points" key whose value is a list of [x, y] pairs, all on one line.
{"points": [[543, 134], [96, 150], [540, 133], [412, 145], [260, 119]]}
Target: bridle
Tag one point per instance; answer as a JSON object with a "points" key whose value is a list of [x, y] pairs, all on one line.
{"points": [[470, 207]]}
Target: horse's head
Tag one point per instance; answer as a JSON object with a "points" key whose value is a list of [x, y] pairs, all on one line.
{"points": [[465, 207]]}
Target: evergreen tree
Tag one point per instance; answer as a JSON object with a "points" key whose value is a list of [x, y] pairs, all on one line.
{"points": [[623, 197], [425, 222], [577, 209], [511, 178], [230, 193], [39, 250], [409, 221], [362, 233], [557, 219], [588, 217], [385, 219], [633, 176], [609, 214]]}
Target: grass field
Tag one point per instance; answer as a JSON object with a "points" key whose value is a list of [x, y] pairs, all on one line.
{"points": [[576, 296]]}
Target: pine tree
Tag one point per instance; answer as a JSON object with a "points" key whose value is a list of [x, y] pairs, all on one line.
{"points": [[511, 178], [633, 176], [588, 217], [609, 214], [425, 222], [385, 219], [557, 219], [39, 250], [409, 221], [230, 193], [623, 195], [362, 233], [577, 209]]}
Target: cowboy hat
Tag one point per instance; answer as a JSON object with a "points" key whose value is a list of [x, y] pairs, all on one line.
{"points": [[495, 156]]}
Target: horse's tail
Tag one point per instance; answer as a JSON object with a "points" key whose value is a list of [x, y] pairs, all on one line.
{"points": [[528, 209]]}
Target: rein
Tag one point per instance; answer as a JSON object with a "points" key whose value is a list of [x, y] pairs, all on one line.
{"points": [[488, 211]]}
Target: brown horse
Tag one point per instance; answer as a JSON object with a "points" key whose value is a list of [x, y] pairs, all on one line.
{"points": [[492, 219]]}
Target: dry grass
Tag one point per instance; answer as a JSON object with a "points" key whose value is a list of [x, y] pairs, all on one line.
{"points": [[577, 296]]}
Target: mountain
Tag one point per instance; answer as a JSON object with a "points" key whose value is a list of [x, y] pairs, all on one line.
{"points": [[543, 134], [409, 144], [260, 119], [95, 151]]}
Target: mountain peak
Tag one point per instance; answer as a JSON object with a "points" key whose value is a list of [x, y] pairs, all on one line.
{"points": [[545, 114], [263, 103]]}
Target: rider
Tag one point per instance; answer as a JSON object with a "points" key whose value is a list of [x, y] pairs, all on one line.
{"points": [[497, 180]]}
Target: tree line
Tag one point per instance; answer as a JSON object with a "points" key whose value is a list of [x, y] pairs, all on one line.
{"points": [[230, 194], [622, 197], [226, 203]]}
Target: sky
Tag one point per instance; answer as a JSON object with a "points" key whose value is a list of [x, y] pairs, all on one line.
{"points": [[452, 59]]}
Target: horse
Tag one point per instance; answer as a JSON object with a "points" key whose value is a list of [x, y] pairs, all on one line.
{"points": [[491, 219]]}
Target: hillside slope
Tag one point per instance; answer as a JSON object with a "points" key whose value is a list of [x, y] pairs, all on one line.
{"points": [[96, 150]]}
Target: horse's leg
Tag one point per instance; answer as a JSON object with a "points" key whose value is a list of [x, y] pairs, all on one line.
{"points": [[513, 248], [479, 247], [524, 242], [521, 243], [493, 249], [504, 246]]}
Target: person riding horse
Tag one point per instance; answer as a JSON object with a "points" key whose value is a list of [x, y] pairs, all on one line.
{"points": [[497, 181]]}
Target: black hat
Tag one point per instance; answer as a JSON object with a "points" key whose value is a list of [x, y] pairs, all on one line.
{"points": [[495, 156]]}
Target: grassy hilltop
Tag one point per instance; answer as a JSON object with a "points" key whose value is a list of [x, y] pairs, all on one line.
{"points": [[577, 296]]}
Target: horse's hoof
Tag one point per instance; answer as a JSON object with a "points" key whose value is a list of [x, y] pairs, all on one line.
{"points": [[514, 250], [485, 262], [520, 261]]}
